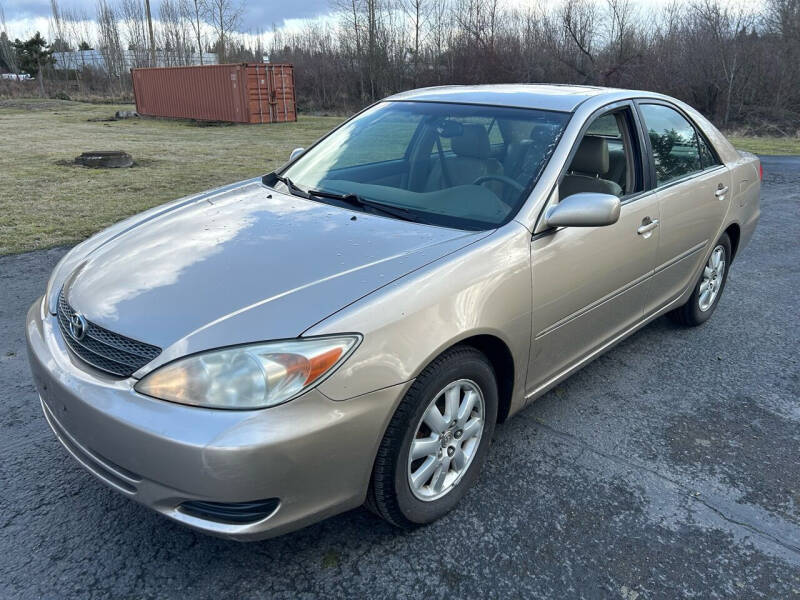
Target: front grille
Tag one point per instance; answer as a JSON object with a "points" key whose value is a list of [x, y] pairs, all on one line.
{"points": [[104, 349]]}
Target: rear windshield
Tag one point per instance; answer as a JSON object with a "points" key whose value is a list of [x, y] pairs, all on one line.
{"points": [[453, 165]]}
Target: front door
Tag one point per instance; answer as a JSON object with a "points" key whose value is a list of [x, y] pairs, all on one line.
{"points": [[590, 284]]}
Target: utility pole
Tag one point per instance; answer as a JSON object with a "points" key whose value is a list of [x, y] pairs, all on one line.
{"points": [[150, 29]]}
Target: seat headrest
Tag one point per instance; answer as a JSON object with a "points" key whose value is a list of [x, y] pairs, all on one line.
{"points": [[592, 156], [474, 142]]}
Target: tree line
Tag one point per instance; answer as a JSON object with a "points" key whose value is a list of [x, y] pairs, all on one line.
{"points": [[735, 65], [739, 66]]}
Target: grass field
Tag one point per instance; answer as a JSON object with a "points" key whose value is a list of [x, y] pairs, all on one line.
{"points": [[766, 145], [47, 201]]}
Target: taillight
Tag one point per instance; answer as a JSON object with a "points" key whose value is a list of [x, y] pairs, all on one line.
{"points": [[760, 171]]}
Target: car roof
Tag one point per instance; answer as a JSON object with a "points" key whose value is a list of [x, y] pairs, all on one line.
{"points": [[565, 98]]}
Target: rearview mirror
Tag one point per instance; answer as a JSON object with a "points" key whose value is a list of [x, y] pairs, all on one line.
{"points": [[295, 153], [584, 210]]}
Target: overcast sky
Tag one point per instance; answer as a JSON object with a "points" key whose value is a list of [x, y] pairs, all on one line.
{"points": [[24, 17]]}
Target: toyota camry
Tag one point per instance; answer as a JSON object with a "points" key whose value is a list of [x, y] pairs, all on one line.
{"points": [[350, 328]]}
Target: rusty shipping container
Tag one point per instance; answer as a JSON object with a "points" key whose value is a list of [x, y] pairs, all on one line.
{"points": [[240, 93]]}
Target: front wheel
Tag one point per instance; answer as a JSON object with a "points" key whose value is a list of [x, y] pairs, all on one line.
{"points": [[437, 440], [707, 291]]}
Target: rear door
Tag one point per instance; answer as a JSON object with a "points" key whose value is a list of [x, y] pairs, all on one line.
{"points": [[693, 190]]}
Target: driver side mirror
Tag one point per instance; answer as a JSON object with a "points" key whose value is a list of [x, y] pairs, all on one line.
{"points": [[584, 210], [295, 153]]}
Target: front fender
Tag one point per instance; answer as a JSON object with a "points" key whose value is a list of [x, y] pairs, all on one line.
{"points": [[484, 288]]}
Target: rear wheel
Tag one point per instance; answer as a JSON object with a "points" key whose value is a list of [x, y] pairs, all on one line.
{"points": [[437, 440], [707, 291]]}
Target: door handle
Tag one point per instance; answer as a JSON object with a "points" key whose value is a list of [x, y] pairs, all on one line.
{"points": [[721, 191], [647, 227]]}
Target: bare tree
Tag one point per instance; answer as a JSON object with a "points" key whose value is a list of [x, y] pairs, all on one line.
{"points": [[224, 16], [77, 24], [57, 25], [621, 42], [134, 26], [63, 32], [417, 11], [110, 43], [440, 31], [7, 51], [372, 45], [351, 19], [174, 34], [192, 11], [726, 26], [782, 22], [578, 20]]}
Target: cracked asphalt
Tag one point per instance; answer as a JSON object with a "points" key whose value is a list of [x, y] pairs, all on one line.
{"points": [[668, 468]]}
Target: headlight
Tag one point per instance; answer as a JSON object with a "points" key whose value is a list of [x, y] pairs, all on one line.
{"points": [[246, 377]]}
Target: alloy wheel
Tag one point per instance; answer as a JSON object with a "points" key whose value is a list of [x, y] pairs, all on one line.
{"points": [[713, 276], [446, 440]]}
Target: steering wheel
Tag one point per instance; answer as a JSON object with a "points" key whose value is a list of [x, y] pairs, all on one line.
{"points": [[502, 179]]}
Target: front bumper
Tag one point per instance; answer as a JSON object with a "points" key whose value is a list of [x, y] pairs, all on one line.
{"points": [[313, 454]]}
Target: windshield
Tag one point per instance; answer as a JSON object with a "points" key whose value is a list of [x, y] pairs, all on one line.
{"points": [[454, 165]]}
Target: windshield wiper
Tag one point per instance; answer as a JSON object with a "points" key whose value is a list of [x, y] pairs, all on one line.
{"points": [[293, 189], [361, 202], [351, 199]]}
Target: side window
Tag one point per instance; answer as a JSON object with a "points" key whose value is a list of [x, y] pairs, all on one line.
{"points": [[603, 161], [676, 151]]}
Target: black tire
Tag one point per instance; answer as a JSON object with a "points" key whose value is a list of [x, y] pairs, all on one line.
{"points": [[690, 314], [390, 494]]}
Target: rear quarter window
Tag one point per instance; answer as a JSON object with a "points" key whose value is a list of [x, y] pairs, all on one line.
{"points": [[707, 156]]}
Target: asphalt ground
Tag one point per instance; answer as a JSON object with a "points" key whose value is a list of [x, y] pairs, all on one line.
{"points": [[668, 468]]}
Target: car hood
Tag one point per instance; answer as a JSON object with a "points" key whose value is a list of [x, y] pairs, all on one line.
{"points": [[242, 265]]}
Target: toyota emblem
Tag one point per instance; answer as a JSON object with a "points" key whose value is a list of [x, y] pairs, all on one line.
{"points": [[77, 326]]}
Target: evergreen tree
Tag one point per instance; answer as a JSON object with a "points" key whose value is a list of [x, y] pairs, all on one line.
{"points": [[32, 56]]}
